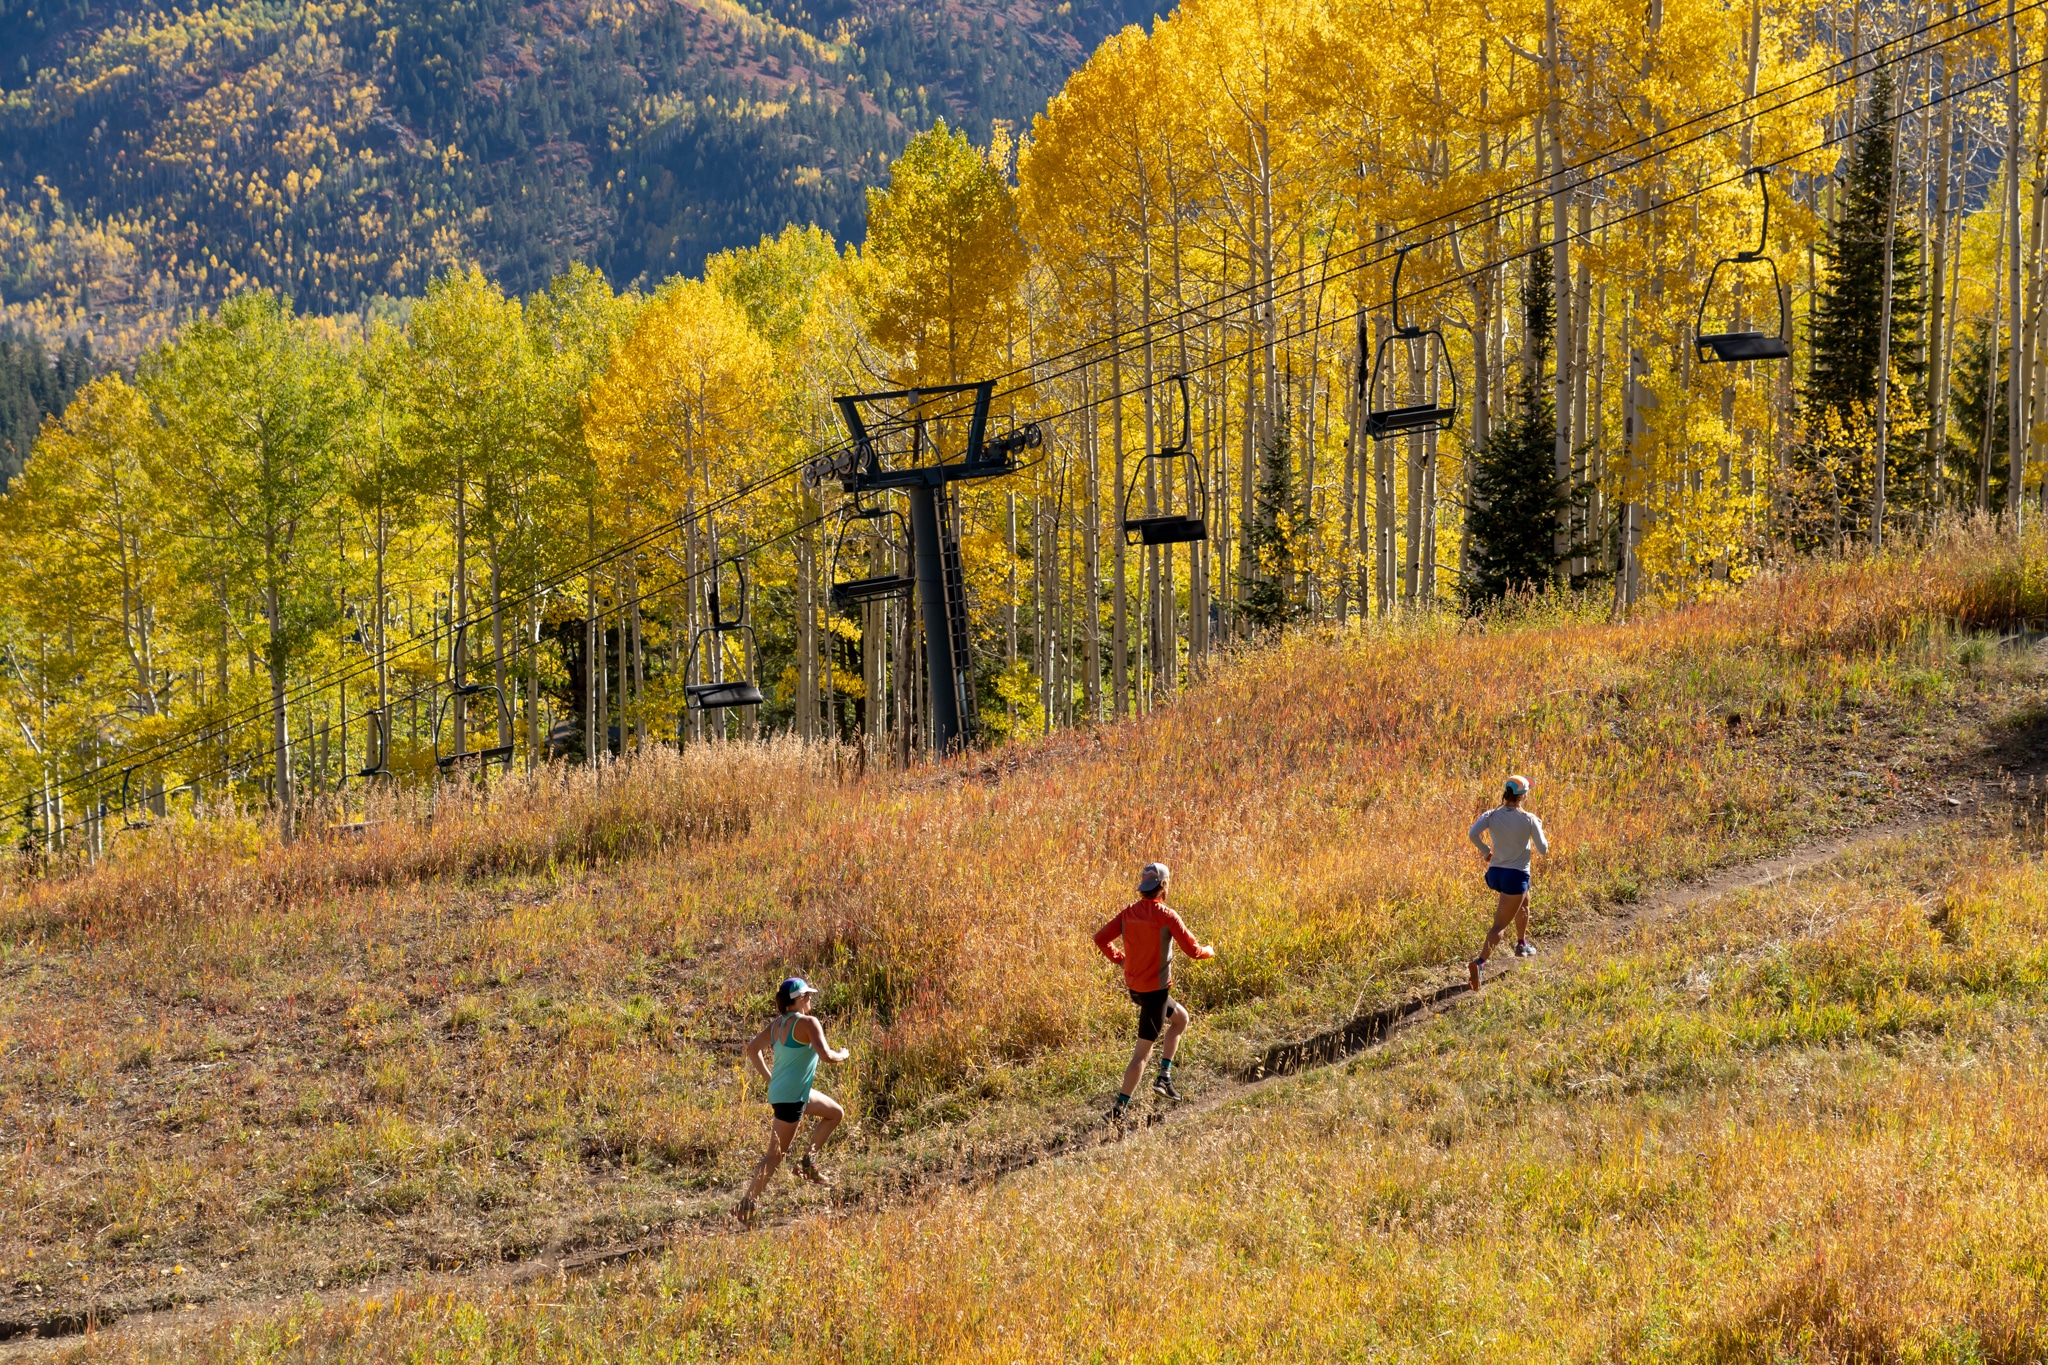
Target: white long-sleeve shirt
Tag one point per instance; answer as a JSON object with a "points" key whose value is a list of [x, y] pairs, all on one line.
{"points": [[1513, 832]]}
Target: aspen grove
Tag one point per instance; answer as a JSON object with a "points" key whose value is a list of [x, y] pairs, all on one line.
{"points": [[281, 555]]}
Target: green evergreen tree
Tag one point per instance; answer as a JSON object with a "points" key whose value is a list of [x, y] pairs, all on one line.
{"points": [[1279, 517], [1833, 465], [1966, 453], [1516, 494], [1849, 311], [33, 384]]}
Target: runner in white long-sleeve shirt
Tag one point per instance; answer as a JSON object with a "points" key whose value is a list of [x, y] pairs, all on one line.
{"points": [[1514, 832]]}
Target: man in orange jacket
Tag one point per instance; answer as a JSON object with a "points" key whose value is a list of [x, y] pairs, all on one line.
{"points": [[1149, 929]]}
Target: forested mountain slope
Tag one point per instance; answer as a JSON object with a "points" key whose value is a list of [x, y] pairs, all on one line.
{"points": [[155, 156]]}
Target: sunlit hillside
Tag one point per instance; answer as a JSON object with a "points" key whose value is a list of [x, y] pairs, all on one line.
{"points": [[156, 157], [500, 1027], [538, 523]]}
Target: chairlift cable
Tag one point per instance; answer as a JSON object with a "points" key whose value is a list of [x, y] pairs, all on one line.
{"points": [[1539, 190], [1539, 186], [251, 756], [153, 754], [1572, 234], [302, 690]]}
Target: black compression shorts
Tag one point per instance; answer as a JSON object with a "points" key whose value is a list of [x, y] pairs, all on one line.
{"points": [[1152, 1007]]}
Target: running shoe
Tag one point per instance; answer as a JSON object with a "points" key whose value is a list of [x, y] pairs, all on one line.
{"points": [[808, 1169], [1163, 1087], [1525, 949], [743, 1213], [1118, 1115]]}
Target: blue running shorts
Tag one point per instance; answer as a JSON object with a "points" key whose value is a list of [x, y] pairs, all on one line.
{"points": [[1509, 881]]}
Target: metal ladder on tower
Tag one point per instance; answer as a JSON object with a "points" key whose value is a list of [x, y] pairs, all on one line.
{"points": [[956, 609]]}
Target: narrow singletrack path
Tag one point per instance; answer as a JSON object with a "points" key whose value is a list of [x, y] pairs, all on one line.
{"points": [[164, 1322]]}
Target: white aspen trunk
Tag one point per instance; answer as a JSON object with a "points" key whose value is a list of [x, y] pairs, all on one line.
{"points": [[1415, 478], [1582, 306], [1119, 629], [2037, 355], [1939, 323], [498, 672], [1991, 363], [458, 670], [1346, 549], [1884, 353], [2015, 374], [592, 667], [1091, 554], [1560, 268]]}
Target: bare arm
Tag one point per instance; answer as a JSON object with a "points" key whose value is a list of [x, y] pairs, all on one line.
{"points": [[811, 1025], [752, 1052]]}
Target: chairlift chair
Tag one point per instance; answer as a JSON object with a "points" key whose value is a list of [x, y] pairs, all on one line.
{"points": [[1730, 347], [380, 766], [129, 821], [1171, 528], [1433, 413], [500, 754], [877, 587], [710, 696], [359, 632], [134, 822]]}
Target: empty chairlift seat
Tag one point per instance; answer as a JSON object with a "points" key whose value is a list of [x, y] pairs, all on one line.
{"points": [[852, 592], [500, 754], [1435, 406], [1733, 346], [741, 691], [1170, 527]]}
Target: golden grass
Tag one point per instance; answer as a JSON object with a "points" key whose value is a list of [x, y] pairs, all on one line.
{"points": [[446, 1043], [1518, 1180]]}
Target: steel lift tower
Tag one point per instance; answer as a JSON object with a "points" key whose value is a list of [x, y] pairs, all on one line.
{"points": [[896, 439]]}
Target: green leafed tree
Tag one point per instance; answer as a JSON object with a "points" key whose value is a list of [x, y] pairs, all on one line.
{"points": [[256, 408]]}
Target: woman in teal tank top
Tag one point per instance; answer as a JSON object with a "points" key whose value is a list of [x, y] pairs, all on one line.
{"points": [[786, 1055]]}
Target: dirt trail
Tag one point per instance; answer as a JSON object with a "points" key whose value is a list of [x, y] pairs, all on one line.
{"points": [[164, 1322]]}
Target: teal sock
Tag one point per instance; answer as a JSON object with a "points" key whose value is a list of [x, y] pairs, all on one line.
{"points": [[1122, 1100], [1166, 1066]]}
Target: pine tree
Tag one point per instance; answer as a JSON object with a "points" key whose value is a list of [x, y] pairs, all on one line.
{"points": [[1279, 518], [1848, 313], [33, 384], [1833, 465], [1966, 451], [1516, 494]]}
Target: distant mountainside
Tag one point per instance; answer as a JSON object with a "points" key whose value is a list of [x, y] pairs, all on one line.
{"points": [[154, 156]]}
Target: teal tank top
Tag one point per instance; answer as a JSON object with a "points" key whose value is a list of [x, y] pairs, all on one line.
{"points": [[796, 1066]]}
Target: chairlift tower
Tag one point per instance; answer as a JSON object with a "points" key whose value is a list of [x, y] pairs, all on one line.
{"points": [[896, 445]]}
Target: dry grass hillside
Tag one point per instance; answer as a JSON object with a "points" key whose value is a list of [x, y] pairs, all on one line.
{"points": [[230, 1070]]}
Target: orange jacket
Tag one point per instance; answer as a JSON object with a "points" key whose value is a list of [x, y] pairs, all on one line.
{"points": [[1149, 931]]}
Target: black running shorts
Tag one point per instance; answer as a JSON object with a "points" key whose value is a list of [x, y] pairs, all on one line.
{"points": [[791, 1112], [1152, 1007]]}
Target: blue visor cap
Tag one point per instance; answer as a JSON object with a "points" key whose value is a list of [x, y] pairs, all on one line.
{"points": [[795, 986]]}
